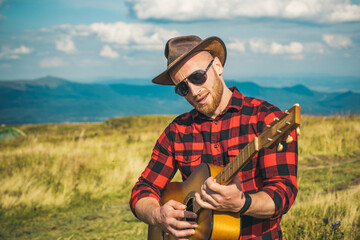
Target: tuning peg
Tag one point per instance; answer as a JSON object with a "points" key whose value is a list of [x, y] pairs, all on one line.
{"points": [[280, 147], [298, 131], [289, 139]]}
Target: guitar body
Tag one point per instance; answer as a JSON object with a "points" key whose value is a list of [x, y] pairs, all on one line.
{"points": [[211, 224]]}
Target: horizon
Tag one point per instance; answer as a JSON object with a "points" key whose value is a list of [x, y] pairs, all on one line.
{"points": [[87, 40], [314, 83]]}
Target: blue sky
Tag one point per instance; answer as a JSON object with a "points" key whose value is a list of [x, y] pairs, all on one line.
{"points": [[87, 40]]}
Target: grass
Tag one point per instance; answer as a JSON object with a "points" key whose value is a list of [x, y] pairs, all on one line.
{"points": [[73, 180]]}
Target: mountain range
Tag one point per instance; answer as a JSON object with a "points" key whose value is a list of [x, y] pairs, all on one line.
{"points": [[53, 100]]}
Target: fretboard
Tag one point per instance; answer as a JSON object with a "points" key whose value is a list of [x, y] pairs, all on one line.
{"points": [[230, 170]]}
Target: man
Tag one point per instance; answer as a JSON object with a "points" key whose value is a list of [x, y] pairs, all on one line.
{"points": [[222, 123]]}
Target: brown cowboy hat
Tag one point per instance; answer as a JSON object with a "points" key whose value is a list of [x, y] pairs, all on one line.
{"points": [[179, 48]]}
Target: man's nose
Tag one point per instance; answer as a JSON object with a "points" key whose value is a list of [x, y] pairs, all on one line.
{"points": [[194, 89]]}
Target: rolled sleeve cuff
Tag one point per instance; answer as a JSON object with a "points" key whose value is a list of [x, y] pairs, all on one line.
{"points": [[142, 194], [281, 199]]}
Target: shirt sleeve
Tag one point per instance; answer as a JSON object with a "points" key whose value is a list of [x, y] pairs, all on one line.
{"points": [[279, 169], [160, 170]]}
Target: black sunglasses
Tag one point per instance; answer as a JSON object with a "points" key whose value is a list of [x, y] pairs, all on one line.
{"points": [[198, 78]]}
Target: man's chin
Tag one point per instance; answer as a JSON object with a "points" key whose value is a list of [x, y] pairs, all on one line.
{"points": [[206, 110]]}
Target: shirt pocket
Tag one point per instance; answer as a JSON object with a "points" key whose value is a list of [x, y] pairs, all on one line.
{"points": [[187, 164]]}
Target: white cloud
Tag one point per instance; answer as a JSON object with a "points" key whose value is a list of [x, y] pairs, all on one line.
{"points": [[108, 52], [292, 48], [337, 40], [273, 48], [66, 45], [314, 47], [126, 35], [8, 53], [22, 50], [236, 45], [139, 36], [52, 63], [258, 46], [184, 10]]}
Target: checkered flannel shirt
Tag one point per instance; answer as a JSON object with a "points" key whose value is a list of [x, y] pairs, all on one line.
{"points": [[193, 138]]}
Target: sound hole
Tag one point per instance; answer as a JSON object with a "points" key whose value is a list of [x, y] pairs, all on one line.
{"points": [[190, 208]]}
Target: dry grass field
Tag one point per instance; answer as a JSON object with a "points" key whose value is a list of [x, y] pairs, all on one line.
{"points": [[73, 180]]}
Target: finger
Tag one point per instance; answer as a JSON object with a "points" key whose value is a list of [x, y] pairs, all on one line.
{"points": [[202, 203], [170, 210], [211, 197], [189, 214], [176, 205], [237, 182], [182, 234], [183, 214], [210, 186], [181, 224]]}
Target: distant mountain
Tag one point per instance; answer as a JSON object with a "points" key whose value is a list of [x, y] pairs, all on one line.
{"points": [[52, 99]]}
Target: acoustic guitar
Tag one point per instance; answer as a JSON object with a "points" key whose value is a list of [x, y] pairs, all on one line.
{"points": [[215, 224]]}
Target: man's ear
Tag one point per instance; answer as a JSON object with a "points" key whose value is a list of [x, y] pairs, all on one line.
{"points": [[218, 66]]}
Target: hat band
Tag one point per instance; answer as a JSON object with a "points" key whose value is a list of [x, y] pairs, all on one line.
{"points": [[176, 60]]}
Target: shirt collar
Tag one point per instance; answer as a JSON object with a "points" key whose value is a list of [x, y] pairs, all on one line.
{"points": [[235, 103]]}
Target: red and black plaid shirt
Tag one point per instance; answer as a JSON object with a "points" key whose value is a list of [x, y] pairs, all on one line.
{"points": [[193, 138]]}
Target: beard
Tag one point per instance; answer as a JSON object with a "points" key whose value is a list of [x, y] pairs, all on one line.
{"points": [[216, 93]]}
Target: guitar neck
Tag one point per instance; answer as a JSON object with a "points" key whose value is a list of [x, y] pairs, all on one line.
{"points": [[230, 170]]}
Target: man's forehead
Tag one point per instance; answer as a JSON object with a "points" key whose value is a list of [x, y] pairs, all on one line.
{"points": [[205, 55], [195, 57]]}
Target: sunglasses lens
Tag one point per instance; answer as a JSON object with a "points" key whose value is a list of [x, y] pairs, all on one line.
{"points": [[198, 77], [182, 88]]}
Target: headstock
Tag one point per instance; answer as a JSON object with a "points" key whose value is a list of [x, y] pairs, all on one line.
{"points": [[280, 127]]}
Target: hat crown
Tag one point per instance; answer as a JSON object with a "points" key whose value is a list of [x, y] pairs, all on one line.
{"points": [[179, 46]]}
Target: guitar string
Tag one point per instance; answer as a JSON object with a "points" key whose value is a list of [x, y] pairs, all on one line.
{"points": [[246, 148]]}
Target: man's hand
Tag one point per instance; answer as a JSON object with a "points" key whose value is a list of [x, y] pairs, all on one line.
{"points": [[221, 197], [230, 198], [171, 218]]}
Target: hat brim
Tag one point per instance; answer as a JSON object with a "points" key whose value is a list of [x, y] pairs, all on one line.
{"points": [[214, 45]]}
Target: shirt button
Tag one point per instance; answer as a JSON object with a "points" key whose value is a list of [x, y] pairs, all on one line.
{"points": [[216, 122], [216, 146]]}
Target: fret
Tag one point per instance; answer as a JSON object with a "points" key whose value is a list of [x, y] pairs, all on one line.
{"points": [[228, 172], [248, 153], [236, 163], [242, 157], [225, 175], [245, 155], [218, 178]]}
